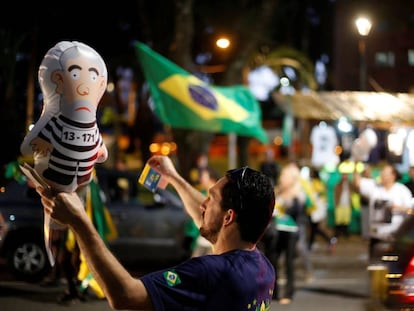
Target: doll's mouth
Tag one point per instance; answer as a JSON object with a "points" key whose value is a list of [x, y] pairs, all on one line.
{"points": [[83, 108]]}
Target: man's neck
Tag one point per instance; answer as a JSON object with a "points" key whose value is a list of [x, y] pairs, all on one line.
{"points": [[230, 242], [244, 247]]}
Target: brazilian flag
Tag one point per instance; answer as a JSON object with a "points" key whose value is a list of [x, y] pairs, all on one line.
{"points": [[182, 100]]}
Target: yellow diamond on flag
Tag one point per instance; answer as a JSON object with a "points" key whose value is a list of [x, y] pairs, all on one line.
{"points": [[215, 104]]}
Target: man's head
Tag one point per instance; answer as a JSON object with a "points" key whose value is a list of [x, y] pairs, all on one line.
{"points": [[251, 195], [389, 175]]}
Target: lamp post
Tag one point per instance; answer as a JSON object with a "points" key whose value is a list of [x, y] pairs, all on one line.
{"points": [[364, 26], [223, 43]]}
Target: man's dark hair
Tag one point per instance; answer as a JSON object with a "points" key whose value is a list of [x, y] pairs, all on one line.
{"points": [[250, 193]]}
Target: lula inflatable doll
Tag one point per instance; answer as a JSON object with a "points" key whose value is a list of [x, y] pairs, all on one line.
{"points": [[65, 142]]}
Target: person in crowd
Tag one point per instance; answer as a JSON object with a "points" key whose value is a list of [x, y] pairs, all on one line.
{"points": [[343, 205], [65, 270], [317, 210], [70, 263], [364, 203], [201, 162], [233, 217], [410, 182], [269, 166], [291, 225], [389, 201], [96, 209], [66, 267]]}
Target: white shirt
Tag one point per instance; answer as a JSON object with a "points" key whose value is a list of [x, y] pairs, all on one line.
{"points": [[398, 195], [324, 140]]}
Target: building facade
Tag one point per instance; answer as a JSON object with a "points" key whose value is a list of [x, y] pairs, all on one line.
{"points": [[389, 46]]}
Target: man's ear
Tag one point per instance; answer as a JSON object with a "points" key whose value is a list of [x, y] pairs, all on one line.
{"points": [[229, 217]]}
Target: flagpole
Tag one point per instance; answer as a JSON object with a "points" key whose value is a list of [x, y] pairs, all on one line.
{"points": [[232, 154]]}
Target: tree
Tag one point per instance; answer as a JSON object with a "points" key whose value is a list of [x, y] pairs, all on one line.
{"points": [[282, 57], [191, 142], [12, 106], [279, 61]]}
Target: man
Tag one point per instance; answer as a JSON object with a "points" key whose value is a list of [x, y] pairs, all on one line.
{"points": [[389, 201], [233, 217]]}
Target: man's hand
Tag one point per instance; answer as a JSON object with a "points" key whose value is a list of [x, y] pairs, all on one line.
{"points": [[63, 207], [164, 166]]}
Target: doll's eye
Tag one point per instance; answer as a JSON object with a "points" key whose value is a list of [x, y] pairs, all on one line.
{"points": [[75, 74], [93, 75]]}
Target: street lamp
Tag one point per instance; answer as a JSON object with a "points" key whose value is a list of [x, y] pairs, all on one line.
{"points": [[364, 26], [223, 43]]}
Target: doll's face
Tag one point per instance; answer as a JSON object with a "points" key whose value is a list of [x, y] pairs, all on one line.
{"points": [[81, 86]]}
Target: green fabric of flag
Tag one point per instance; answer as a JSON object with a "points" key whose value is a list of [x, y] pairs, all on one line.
{"points": [[182, 100], [13, 171], [99, 214]]}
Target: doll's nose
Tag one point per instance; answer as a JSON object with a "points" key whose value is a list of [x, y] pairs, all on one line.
{"points": [[82, 90]]}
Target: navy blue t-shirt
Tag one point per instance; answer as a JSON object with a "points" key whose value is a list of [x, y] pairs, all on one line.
{"points": [[236, 280]]}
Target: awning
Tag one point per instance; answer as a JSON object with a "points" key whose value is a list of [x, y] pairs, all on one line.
{"points": [[395, 108]]}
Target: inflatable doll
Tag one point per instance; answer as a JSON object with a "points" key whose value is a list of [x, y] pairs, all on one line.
{"points": [[65, 142], [363, 145]]}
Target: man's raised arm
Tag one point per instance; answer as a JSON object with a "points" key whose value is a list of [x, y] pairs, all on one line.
{"points": [[191, 197]]}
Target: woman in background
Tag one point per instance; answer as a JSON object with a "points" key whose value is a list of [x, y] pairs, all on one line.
{"points": [[291, 225]]}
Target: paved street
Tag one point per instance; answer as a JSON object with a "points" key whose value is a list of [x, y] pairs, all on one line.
{"points": [[340, 282]]}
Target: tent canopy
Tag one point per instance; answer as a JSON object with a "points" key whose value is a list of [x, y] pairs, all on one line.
{"points": [[396, 108]]}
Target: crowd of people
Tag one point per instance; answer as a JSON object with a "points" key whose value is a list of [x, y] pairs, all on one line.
{"points": [[299, 217], [301, 214]]}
